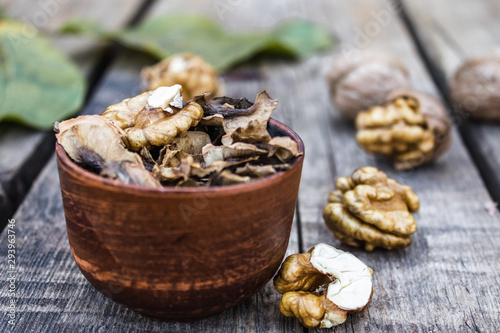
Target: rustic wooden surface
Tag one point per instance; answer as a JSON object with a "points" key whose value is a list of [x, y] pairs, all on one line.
{"points": [[447, 281], [23, 151], [451, 32]]}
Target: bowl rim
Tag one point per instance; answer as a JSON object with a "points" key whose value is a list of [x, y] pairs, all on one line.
{"points": [[65, 162]]}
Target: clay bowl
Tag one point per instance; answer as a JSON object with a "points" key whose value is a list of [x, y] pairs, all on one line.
{"points": [[179, 254]]}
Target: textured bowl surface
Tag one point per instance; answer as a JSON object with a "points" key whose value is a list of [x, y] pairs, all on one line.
{"points": [[179, 254]]}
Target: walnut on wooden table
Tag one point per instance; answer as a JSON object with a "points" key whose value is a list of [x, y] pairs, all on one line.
{"points": [[475, 87], [363, 80], [322, 286], [410, 127], [370, 210]]}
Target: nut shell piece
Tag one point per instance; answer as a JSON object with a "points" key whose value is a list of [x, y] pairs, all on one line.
{"points": [[411, 127], [96, 143], [348, 283], [192, 72], [374, 211], [364, 80], [475, 87]]}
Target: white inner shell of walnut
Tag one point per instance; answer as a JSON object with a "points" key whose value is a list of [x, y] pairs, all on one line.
{"points": [[163, 97], [352, 287]]}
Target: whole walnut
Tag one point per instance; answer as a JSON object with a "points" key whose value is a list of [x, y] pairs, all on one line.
{"points": [[475, 87], [361, 81], [193, 73], [411, 127]]}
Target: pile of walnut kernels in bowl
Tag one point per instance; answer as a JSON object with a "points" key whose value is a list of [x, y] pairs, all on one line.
{"points": [[154, 140]]}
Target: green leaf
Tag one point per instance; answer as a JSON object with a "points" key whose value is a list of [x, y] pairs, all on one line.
{"points": [[163, 36], [166, 35], [38, 83], [301, 39], [84, 27]]}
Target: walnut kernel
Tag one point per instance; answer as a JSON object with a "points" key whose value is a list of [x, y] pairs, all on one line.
{"points": [[193, 73], [322, 286], [370, 210], [411, 127]]}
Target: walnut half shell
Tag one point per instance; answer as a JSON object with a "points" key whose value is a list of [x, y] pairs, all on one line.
{"points": [[322, 286], [370, 210], [97, 144], [411, 127]]}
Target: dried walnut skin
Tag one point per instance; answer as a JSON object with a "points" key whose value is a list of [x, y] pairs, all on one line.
{"points": [[359, 82], [411, 127], [475, 87], [370, 210]]}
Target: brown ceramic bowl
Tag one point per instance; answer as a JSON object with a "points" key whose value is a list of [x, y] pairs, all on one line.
{"points": [[179, 253]]}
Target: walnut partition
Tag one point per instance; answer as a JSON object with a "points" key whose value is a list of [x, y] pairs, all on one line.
{"points": [[179, 253]]}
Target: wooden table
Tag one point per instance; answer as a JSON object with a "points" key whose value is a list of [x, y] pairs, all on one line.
{"points": [[448, 280]]}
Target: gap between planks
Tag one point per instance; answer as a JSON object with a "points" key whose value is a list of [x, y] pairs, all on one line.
{"points": [[470, 131]]}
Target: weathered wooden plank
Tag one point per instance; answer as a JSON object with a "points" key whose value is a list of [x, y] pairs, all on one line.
{"points": [[451, 32], [432, 285], [23, 151]]}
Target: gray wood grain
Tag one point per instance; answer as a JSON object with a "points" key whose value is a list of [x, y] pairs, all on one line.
{"points": [[432, 285], [24, 151], [447, 281], [451, 32]]}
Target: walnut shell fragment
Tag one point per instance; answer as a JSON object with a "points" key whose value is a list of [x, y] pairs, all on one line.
{"points": [[322, 286], [364, 80], [245, 124], [371, 210], [475, 87], [252, 126], [411, 127], [192, 72], [97, 144]]}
